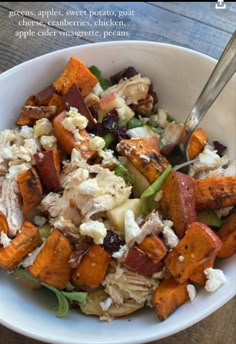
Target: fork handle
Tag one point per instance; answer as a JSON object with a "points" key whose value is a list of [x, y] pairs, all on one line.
{"points": [[222, 73]]}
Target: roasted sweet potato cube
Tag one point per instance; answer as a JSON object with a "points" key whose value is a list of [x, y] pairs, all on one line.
{"points": [[56, 100], [139, 262], [67, 140], [3, 223], [197, 142], [30, 114], [31, 189], [177, 201], [26, 240], [51, 266], [215, 192], [197, 246], [49, 166], [154, 248], [168, 296], [227, 234], [198, 276], [76, 72], [144, 156], [92, 269]]}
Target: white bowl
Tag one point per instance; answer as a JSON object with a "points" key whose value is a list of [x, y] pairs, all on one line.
{"points": [[178, 75]]}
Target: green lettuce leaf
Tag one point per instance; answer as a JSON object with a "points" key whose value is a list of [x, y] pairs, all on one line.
{"points": [[64, 298], [147, 203], [105, 83]]}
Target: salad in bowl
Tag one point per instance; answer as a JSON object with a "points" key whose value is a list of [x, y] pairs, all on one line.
{"points": [[91, 207]]}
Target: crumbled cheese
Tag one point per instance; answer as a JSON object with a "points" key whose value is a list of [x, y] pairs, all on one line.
{"points": [[21, 152], [9, 135], [74, 119], [16, 169], [68, 124], [95, 230], [170, 238], [32, 146], [215, 279], [105, 305], [191, 292], [29, 260], [27, 132], [42, 127], [97, 143], [142, 132], [123, 251], [7, 153], [4, 240], [132, 229], [180, 258], [39, 220], [89, 187], [48, 142]]}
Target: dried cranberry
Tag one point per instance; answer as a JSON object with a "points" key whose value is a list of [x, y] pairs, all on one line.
{"points": [[121, 133], [110, 121], [112, 242], [219, 147], [126, 73]]}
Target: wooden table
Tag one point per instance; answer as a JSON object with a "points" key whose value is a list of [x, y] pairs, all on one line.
{"points": [[199, 26]]}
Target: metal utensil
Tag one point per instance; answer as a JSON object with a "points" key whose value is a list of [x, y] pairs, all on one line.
{"points": [[222, 73]]}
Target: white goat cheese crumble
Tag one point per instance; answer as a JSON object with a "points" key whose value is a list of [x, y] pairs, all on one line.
{"points": [[48, 142], [4, 239], [95, 230], [215, 279], [191, 292], [89, 187], [170, 238], [105, 305], [42, 127], [132, 229], [97, 143]]}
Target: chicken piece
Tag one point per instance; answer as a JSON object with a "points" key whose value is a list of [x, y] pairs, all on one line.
{"points": [[122, 285], [11, 204], [132, 89]]}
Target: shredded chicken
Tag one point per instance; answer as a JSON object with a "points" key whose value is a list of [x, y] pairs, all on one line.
{"points": [[131, 90], [122, 285], [11, 205]]}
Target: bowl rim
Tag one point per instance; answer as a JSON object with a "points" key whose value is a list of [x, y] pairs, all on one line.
{"points": [[222, 299]]}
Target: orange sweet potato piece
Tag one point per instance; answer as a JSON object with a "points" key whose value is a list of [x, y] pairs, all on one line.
{"points": [[30, 188], [51, 266], [198, 244], [3, 223], [144, 156], [154, 248], [198, 276], [49, 166], [30, 114], [92, 269], [227, 234], [177, 201], [26, 240], [197, 142], [56, 100], [67, 141], [215, 192], [31, 101], [76, 72], [168, 296]]}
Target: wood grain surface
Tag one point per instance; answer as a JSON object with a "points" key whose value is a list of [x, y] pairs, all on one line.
{"points": [[195, 25]]}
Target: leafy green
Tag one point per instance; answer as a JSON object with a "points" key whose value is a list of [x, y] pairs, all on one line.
{"points": [[108, 138], [210, 218], [147, 202], [121, 171], [64, 298], [105, 83], [135, 123]]}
